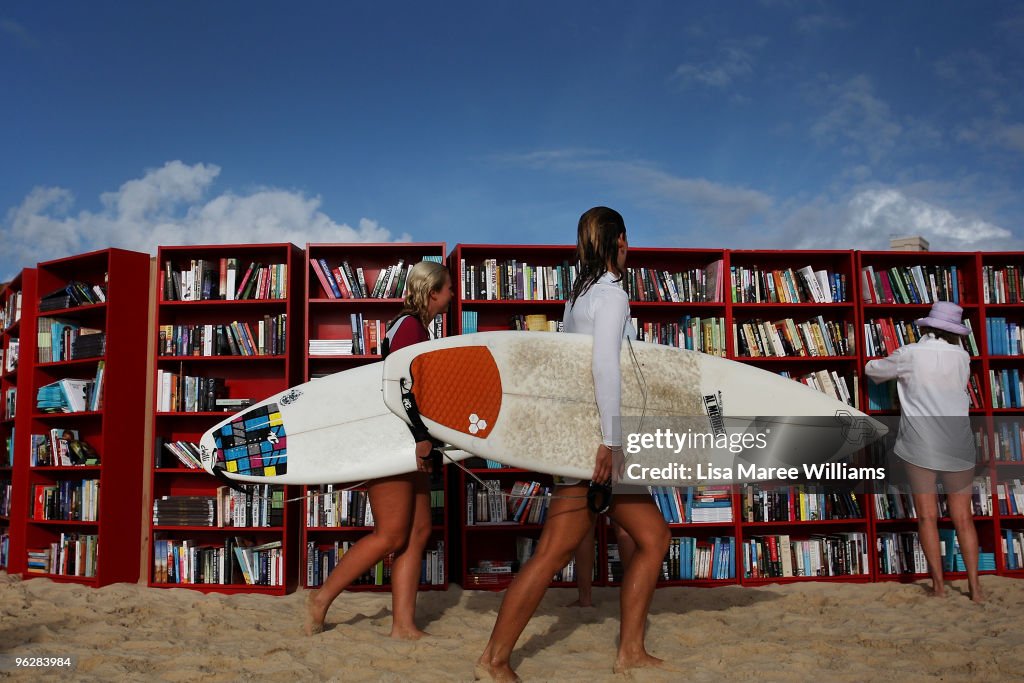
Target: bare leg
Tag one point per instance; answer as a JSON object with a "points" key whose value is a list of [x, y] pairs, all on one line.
{"points": [[958, 493], [922, 486], [584, 554], [391, 501], [644, 524], [407, 567], [567, 522]]}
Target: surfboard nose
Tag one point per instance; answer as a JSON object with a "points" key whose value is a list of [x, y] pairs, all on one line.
{"points": [[458, 388]]}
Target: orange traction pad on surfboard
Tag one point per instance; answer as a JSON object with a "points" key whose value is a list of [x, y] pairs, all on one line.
{"points": [[458, 388]]}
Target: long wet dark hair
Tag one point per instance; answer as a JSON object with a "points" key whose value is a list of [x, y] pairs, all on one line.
{"points": [[597, 243]]}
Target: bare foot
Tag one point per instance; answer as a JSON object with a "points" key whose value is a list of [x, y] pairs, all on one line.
{"points": [[485, 671], [582, 602], [624, 663], [314, 615], [977, 595], [407, 633]]}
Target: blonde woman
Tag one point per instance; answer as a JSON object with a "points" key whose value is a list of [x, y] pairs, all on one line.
{"points": [[400, 504]]}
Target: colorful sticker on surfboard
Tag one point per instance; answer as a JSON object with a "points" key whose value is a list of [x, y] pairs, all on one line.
{"points": [[254, 443]]}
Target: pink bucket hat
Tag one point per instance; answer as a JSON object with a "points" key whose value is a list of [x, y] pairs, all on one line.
{"points": [[945, 315]]}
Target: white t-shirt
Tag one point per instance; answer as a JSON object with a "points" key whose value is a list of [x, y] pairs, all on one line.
{"points": [[932, 377], [603, 312]]}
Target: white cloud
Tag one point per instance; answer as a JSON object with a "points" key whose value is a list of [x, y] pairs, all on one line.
{"points": [[732, 63], [858, 120], [871, 217], [717, 203], [167, 206]]}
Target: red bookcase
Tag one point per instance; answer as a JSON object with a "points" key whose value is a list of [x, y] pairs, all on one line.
{"points": [[1002, 309], [916, 280], [100, 546], [795, 313], [354, 290], [18, 341], [203, 372], [491, 290], [677, 297]]}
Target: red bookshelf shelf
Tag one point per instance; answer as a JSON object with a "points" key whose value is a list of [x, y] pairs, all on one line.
{"points": [[17, 303], [270, 277], [330, 318], [115, 431]]}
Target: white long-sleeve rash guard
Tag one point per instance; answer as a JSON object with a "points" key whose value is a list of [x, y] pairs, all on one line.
{"points": [[603, 312]]}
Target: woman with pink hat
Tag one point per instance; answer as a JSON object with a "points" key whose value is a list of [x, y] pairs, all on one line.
{"points": [[935, 440]]}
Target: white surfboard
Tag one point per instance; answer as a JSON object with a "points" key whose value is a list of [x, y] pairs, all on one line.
{"points": [[526, 399], [335, 429]]}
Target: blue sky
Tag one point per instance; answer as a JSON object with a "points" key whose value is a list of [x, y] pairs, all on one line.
{"points": [[774, 124]]}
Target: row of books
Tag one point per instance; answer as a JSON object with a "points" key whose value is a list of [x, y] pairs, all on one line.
{"points": [[895, 502], [799, 503], [514, 280], [882, 336], [265, 337], [779, 556], [691, 332], [911, 284], [62, 340], [953, 559], [535, 322], [10, 313], [10, 403], [787, 286], [61, 447], [327, 506], [73, 294], [526, 502], [9, 356], [689, 286], [787, 338], [694, 504], [690, 559], [73, 500], [1002, 285], [5, 549], [5, 497], [70, 555], [1013, 548], [1007, 440], [1007, 389], [262, 507], [883, 396], [346, 282], [1004, 338], [185, 453], [830, 382], [72, 395], [1010, 495], [321, 559], [237, 561], [224, 279], [180, 393], [366, 335], [900, 552]]}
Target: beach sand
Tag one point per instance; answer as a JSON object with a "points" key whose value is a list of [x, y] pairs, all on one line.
{"points": [[794, 632]]}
